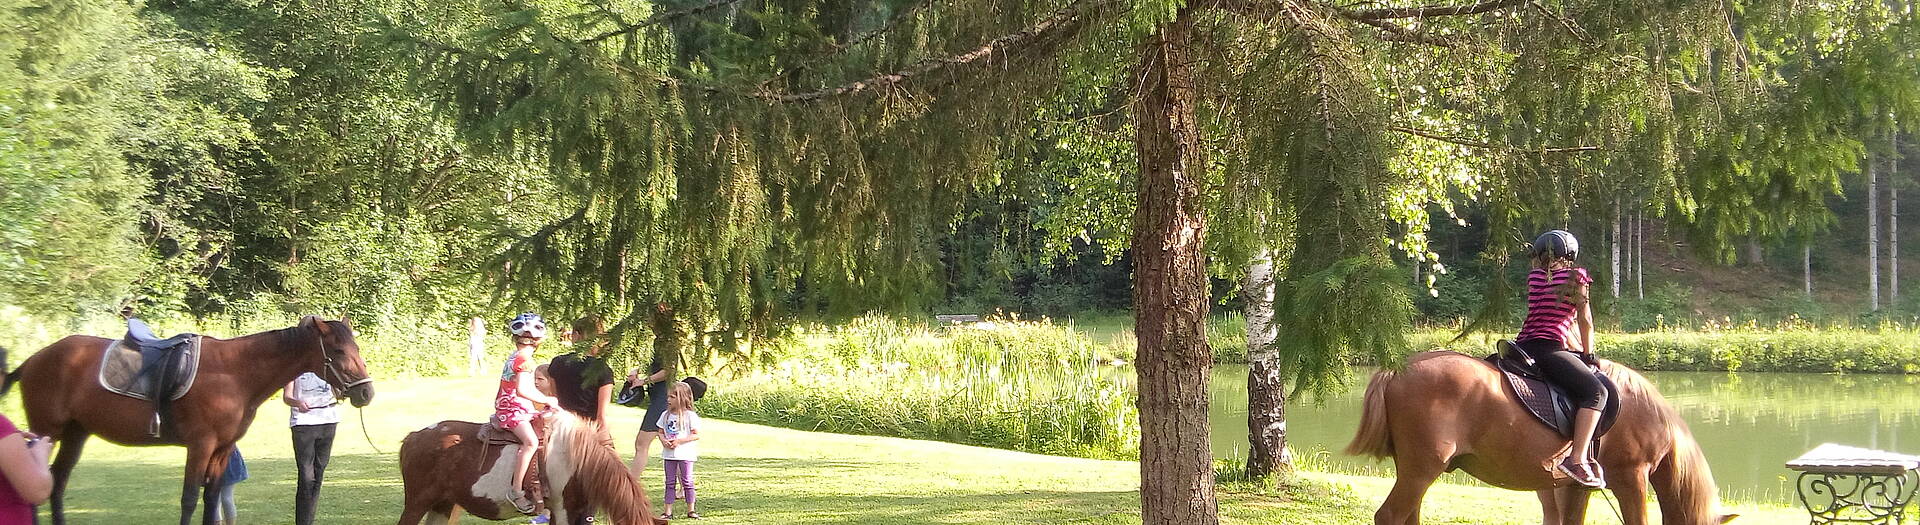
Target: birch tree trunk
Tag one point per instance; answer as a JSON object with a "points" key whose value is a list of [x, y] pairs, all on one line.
{"points": [[1614, 243], [1266, 384], [1873, 235]]}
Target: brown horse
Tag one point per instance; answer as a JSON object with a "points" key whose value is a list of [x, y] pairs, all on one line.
{"points": [[446, 466], [64, 399], [1449, 410]]}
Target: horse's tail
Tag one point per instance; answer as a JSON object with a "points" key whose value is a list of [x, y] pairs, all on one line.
{"points": [[1373, 438], [600, 474], [13, 376], [1683, 482]]}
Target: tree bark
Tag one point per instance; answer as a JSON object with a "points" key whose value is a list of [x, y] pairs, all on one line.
{"points": [[1893, 219], [1640, 255], [1806, 266], [1614, 244], [1266, 384], [1873, 235], [1170, 286]]}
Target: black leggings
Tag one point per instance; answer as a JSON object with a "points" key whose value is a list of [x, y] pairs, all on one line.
{"points": [[1566, 369]]}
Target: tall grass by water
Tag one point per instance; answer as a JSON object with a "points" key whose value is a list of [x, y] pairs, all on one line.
{"points": [[1032, 386]]}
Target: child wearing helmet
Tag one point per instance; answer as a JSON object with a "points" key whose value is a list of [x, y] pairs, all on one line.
{"points": [[513, 405], [1558, 335]]}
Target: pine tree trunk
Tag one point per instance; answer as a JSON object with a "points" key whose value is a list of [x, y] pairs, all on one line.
{"points": [[1170, 287], [1614, 244], [1266, 385], [1873, 235]]}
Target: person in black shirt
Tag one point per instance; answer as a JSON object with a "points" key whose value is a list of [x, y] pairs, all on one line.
{"points": [[582, 381]]}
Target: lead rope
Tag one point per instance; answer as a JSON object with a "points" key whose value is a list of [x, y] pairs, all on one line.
{"points": [[1615, 505], [364, 433]]}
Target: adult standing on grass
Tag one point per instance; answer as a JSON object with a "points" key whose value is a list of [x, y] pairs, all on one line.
{"points": [[666, 358], [24, 477], [313, 420]]}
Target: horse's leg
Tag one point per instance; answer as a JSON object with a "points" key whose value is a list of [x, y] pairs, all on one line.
{"points": [[193, 485], [1630, 487], [1414, 472], [1572, 504], [210, 486], [72, 439], [1549, 507]]}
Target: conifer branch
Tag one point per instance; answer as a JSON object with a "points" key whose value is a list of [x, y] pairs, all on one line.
{"points": [[1435, 135], [840, 47], [658, 19], [1430, 10], [1062, 20], [1397, 33]]}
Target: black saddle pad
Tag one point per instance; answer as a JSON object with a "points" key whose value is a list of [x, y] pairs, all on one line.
{"points": [[1546, 401]]}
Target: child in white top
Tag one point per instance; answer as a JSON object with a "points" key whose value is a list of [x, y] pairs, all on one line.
{"points": [[679, 430]]}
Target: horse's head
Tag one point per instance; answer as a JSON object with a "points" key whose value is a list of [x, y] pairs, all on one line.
{"points": [[339, 361]]}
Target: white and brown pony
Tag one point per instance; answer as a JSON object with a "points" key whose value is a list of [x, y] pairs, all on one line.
{"points": [[1448, 411], [446, 467]]}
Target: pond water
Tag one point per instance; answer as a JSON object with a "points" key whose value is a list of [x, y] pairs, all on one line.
{"points": [[1749, 424]]}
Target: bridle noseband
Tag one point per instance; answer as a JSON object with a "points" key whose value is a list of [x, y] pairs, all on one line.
{"points": [[333, 369]]}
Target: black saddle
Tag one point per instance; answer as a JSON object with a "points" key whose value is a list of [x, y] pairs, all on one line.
{"points": [[1549, 403], [140, 336], [144, 366]]}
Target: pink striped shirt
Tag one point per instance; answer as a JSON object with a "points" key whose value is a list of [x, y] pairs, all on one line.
{"points": [[1548, 316]]}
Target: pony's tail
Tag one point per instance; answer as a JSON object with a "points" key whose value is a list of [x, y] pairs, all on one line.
{"points": [[13, 376], [1373, 438], [602, 476]]}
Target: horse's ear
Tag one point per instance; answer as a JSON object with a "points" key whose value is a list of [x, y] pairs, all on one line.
{"points": [[343, 320], [1728, 517], [317, 323]]}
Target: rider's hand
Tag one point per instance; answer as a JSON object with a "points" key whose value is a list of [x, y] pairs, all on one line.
{"points": [[300, 405], [40, 447]]}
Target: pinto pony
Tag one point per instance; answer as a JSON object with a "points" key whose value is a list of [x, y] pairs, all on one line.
{"points": [[64, 399], [446, 465], [1451, 411]]}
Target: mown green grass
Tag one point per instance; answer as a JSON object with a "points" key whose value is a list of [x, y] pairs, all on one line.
{"points": [[756, 474]]}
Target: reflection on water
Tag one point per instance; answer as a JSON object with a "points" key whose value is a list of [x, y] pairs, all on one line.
{"points": [[1749, 424]]}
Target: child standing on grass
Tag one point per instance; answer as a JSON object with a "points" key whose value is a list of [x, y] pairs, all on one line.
{"points": [[679, 429], [236, 472]]}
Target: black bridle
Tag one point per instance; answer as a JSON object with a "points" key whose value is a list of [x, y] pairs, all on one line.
{"points": [[332, 368]]}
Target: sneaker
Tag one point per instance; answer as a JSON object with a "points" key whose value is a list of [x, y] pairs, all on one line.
{"points": [[521, 503], [1583, 473]]}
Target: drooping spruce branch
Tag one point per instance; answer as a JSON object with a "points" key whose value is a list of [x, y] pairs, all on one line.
{"points": [[1430, 10], [1483, 145], [627, 29], [1063, 22]]}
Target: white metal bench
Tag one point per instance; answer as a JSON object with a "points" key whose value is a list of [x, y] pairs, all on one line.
{"points": [[1842, 484]]}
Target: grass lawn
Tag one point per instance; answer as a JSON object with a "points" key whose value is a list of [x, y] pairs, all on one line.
{"points": [[756, 474]]}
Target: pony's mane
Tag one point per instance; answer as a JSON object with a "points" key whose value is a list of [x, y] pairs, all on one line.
{"points": [[1690, 495], [600, 473]]}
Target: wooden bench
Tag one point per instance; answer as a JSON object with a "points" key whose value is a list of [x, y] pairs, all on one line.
{"points": [[1842, 484], [951, 320]]}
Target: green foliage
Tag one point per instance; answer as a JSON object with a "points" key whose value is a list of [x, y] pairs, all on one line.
{"points": [[1831, 350], [1020, 385]]}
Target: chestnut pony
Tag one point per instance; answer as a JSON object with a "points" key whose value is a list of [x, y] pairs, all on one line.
{"points": [[445, 466], [63, 398], [1448, 410]]}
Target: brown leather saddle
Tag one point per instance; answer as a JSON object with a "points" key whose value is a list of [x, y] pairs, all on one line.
{"points": [[495, 441], [1546, 401]]}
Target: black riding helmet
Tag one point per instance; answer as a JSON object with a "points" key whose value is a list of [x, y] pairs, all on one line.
{"points": [[1558, 243]]}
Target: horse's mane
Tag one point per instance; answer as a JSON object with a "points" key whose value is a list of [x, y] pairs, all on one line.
{"points": [[1689, 495], [600, 473]]}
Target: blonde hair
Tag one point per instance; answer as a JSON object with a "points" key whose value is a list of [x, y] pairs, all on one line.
{"points": [[680, 397]]}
